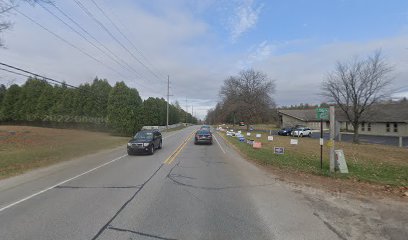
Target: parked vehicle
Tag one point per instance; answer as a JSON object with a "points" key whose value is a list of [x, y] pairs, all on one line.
{"points": [[301, 132], [203, 136], [241, 124], [287, 131], [145, 141]]}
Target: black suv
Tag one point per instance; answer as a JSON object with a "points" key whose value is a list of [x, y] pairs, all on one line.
{"points": [[145, 141]]}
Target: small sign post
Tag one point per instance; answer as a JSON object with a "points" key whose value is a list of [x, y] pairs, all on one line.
{"points": [[279, 150], [270, 138], [322, 113], [294, 141]]}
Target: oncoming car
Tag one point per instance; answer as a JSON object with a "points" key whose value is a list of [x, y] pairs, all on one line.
{"points": [[203, 136], [145, 141]]}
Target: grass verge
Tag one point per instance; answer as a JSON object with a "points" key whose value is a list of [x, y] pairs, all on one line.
{"points": [[23, 148], [366, 162]]}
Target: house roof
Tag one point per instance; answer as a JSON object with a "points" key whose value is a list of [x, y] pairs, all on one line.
{"points": [[390, 112]]}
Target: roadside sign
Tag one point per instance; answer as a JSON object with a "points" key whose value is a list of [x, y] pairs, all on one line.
{"points": [[330, 143], [270, 138], [321, 141], [341, 161], [258, 135], [248, 134], [257, 145], [279, 150], [293, 141], [322, 113]]}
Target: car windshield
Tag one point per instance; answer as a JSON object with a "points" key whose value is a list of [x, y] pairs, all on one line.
{"points": [[203, 132], [143, 136]]}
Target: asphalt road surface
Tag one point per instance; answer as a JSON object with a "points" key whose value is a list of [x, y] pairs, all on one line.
{"points": [[183, 191]]}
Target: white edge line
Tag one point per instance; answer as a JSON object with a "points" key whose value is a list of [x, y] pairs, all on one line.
{"points": [[65, 181], [219, 144], [60, 183]]}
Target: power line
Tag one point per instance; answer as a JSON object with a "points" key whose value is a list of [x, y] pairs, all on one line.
{"points": [[87, 12], [77, 48], [124, 36], [82, 36], [67, 42], [34, 74]]}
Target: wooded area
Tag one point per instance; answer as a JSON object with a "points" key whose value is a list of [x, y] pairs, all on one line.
{"points": [[118, 109]]}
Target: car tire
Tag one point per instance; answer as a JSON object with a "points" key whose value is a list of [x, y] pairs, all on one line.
{"points": [[301, 135], [151, 150], [309, 135], [160, 144], [129, 153]]}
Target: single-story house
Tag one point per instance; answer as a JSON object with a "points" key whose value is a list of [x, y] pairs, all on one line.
{"points": [[389, 119]]}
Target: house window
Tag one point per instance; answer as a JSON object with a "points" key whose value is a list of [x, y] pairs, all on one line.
{"points": [[395, 127], [369, 127], [388, 127], [362, 127]]}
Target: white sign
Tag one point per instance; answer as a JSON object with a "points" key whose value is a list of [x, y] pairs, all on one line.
{"points": [[258, 135], [293, 141], [270, 138], [279, 150], [321, 142], [248, 134], [341, 161]]}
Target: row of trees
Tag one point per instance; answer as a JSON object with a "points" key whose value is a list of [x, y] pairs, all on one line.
{"points": [[245, 97], [117, 108]]}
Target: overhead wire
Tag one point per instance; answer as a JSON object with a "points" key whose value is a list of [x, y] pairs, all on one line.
{"points": [[87, 12], [77, 48], [125, 37], [83, 37]]}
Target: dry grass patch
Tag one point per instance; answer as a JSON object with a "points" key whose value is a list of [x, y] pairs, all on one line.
{"points": [[23, 148]]}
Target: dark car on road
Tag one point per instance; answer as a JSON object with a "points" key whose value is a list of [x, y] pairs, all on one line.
{"points": [[287, 131], [145, 141], [203, 136]]}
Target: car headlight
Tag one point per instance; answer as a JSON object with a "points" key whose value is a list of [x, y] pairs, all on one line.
{"points": [[146, 144], [129, 144]]}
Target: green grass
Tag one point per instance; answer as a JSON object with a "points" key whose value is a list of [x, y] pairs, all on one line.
{"points": [[364, 163], [24, 148]]}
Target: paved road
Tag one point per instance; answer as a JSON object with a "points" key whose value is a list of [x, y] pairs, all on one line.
{"points": [[183, 191]]}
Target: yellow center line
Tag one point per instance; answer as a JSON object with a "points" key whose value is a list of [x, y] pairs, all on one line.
{"points": [[170, 159]]}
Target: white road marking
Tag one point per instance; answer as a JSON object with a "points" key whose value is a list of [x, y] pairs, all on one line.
{"points": [[60, 183], [67, 180], [219, 144]]}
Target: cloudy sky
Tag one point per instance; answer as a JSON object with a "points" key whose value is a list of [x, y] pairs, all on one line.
{"points": [[200, 43]]}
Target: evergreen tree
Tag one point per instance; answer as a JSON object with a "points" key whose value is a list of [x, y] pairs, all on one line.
{"points": [[124, 109], [9, 110]]}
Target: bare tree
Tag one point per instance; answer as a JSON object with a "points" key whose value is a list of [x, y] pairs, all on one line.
{"points": [[356, 85], [248, 95]]}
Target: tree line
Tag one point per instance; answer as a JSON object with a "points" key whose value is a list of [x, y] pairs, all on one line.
{"points": [[118, 109]]}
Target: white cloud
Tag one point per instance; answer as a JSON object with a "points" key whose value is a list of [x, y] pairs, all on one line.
{"points": [[299, 75], [244, 17], [256, 53]]}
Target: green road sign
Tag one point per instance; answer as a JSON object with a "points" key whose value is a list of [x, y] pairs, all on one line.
{"points": [[322, 113]]}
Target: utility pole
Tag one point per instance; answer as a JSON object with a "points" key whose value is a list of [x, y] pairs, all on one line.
{"points": [[168, 96], [186, 112], [332, 133]]}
